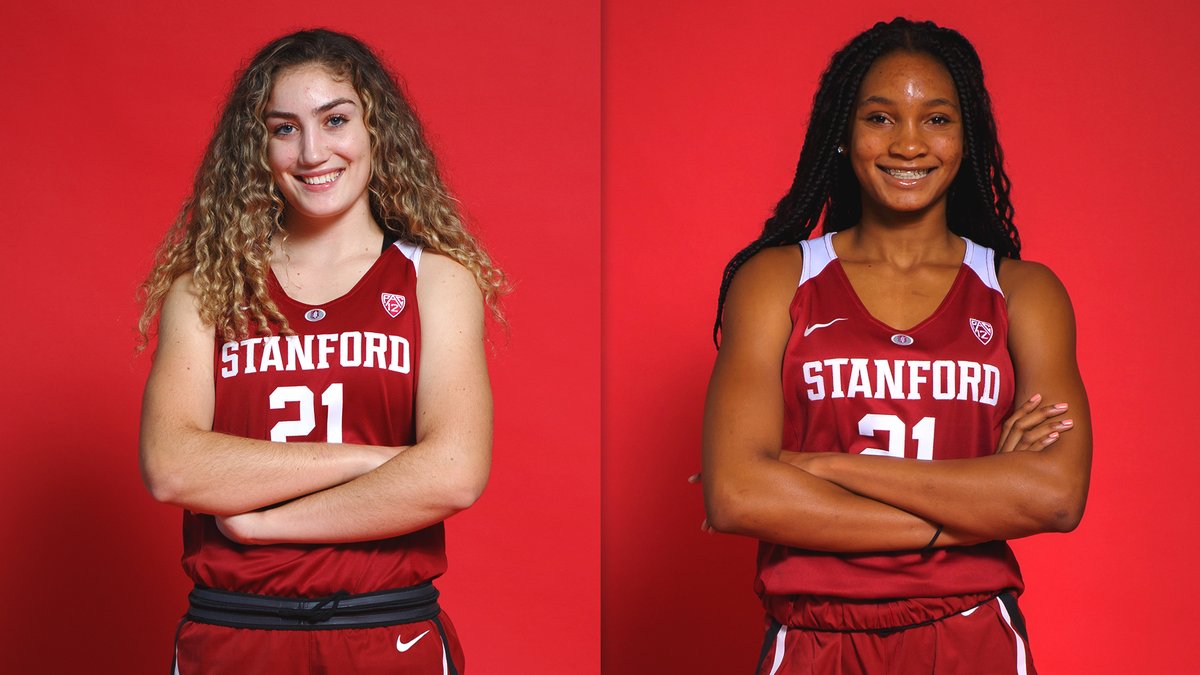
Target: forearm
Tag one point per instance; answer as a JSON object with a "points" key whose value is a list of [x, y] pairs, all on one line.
{"points": [[416, 489], [210, 472], [1003, 496], [777, 502]]}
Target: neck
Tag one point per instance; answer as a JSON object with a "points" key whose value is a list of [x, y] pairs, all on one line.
{"points": [[326, 240], [903, 240]]}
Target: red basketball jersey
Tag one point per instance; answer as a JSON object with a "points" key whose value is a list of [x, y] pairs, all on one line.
{"points": [[939, 390], [348, 375]]}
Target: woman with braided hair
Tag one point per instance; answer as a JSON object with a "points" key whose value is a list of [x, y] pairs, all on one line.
{"points": [[894, 399], [319, 399]]}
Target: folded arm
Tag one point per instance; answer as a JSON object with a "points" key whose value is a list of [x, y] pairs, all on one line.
{"points": [[747, 489], [185, 463], [1009, 494], [444, 471]]}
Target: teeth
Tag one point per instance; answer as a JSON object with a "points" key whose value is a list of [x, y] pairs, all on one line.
{"points": [[322, 179], [908, 175]]}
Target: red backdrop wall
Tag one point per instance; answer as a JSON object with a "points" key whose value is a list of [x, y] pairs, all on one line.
{"points": [[110, 108], [704, 109]]}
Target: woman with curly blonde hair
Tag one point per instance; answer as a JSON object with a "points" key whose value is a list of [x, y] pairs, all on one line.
{"points": [[317, 268]]}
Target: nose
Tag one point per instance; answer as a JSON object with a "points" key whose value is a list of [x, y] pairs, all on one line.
{"points": [[908, 142], [314, 148]]}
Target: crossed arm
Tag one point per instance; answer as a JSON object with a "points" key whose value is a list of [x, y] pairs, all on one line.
{"points": [[853, 503], [328, 492]]}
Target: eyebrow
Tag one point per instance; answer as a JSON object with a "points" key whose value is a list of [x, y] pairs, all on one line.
{"points": [[316, 111], [931, 103]]}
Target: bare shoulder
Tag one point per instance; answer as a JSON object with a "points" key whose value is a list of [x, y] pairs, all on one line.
{"points": [[443, 274], [181, 309], [446, 287], [442, 270], [772, 265], [1032, 286], [184, 285], [768, 275], [760, 294]]}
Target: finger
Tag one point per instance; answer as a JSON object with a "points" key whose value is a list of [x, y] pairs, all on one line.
{"points": [[1024, 409], [1044, 435], [1021, 422], [1038, 416]]}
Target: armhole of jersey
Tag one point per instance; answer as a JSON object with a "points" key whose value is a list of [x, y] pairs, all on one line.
{"points": [[817, 254], [982, 261], [413, 253]]}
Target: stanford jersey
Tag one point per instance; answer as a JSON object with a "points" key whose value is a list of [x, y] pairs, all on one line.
{"points": [[939, 390], [347, 375]]}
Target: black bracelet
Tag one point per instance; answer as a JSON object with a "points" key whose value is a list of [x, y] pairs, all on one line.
{"points": [[937, 533]]}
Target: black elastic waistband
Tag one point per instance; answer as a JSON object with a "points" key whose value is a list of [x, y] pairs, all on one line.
{"points": [[340, 610]]}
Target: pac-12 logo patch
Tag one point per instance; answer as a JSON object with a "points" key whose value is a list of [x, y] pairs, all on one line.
{"points": [[393, 304], [982, 330]]}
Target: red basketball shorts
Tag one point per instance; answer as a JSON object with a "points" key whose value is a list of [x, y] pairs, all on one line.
{"points": [[405, 649], [842, 638]]}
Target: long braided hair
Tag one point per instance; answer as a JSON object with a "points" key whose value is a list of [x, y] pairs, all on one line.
{"points": [[223, 233], [978, 205]]}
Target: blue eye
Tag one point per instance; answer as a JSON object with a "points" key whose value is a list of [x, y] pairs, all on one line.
{"points": [[337, 120], [284, 129]]}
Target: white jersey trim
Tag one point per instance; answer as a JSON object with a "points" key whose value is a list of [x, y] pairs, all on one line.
{"points": [[817, 254], [982, 261], [412, 252]]}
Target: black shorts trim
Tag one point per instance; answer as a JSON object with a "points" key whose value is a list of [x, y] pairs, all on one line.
{"points": [[340, 610]]}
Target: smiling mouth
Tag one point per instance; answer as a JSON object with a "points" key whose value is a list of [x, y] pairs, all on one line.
{"points": [[323, 179], [908, 174]]}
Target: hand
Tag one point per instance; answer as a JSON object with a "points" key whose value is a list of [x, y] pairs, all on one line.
{"points": [[239, 528], [1033, 428]]}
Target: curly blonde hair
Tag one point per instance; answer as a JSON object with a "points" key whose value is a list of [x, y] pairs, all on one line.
{"points": [[223, 232]]}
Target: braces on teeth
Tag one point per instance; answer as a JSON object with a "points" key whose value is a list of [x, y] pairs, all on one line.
{"points": [[908, 175]]}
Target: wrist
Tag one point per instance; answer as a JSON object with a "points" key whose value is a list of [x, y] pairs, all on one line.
{"points": [[247, 528], [821, 464]]}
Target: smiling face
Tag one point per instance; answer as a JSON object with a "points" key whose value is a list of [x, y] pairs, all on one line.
{"points": [[319, 150], [906, 140]]}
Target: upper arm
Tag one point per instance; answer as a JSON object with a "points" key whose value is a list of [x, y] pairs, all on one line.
{"points": [[454, 401], [1042, 345], [179, 391], [744, 411]]}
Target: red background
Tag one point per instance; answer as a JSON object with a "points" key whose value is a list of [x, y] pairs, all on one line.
{"points": [[704, 110], [109, 107]]}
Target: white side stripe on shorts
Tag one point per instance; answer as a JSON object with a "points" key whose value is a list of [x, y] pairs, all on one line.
{"points": [[779, 640], [445, 665], [1022, 669]]}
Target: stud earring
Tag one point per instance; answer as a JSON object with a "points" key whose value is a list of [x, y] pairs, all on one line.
{"points": [[841, 149]]}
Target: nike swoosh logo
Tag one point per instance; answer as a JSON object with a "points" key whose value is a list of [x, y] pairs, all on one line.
{"points": [[815, 326], [402, 646]]}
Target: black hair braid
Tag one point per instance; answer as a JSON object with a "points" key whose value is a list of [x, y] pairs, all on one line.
{"points": [[988, 218], [824, 184], [820, 167]]}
